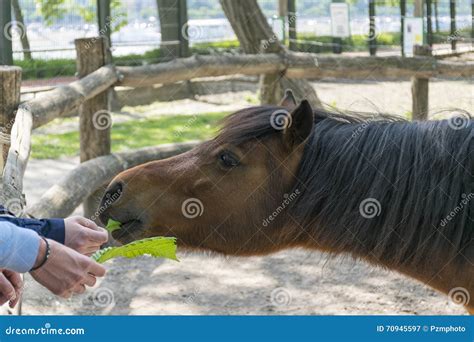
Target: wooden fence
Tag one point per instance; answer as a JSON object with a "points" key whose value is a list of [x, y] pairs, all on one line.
{"points": [[89, 94]]}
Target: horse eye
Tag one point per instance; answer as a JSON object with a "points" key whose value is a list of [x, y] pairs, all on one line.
{"points": [[228, 160]]}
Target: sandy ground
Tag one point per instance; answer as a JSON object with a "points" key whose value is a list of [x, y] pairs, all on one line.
{"points": [[290, 282]]}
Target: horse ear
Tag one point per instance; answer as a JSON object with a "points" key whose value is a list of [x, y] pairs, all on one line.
{"points": [[288, 101], [300, 125]]}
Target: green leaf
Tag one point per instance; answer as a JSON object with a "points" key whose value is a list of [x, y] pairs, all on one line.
{"points": [[158, 247], [113, 225]]}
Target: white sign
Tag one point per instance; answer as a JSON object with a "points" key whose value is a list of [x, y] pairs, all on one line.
{"points": [[340, 20], [412, 34], [278, 26]]}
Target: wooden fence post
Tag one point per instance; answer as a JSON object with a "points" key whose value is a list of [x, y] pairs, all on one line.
{"points": [[6, 31], [292, 34], [403, 12], [104, 19], [372, 29], [175, 32], [453, 33], [429, 24], [10, 83], [95, 119], [419, 88]]}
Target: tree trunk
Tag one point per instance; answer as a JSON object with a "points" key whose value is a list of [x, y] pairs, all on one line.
{"points": [[25, 43], [436, 15], [175, 32], [255, 35]]}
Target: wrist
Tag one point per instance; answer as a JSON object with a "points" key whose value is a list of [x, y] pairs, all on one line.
{"points": [[43, 253]]}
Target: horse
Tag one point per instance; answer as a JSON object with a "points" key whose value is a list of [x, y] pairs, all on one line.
{"points": [[395, 193]]}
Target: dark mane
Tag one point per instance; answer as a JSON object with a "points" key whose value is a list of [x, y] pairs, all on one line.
{"points": [[419, 172]]}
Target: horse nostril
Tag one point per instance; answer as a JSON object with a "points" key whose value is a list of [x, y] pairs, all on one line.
{"points": [[113, 193]]}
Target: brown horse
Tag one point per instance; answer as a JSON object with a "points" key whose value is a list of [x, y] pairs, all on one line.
{"points": [[395, 193]]}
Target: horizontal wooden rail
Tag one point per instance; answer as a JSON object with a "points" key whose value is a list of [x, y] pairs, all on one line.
{"points": [[61, 100], [296, 65], [62, 198], [41, 110]]}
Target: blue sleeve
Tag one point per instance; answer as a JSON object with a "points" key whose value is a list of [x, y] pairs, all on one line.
{"points": [[49, 228], [18, 248]]}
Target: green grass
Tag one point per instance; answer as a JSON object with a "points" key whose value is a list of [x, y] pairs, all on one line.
{"points": [[133, 134], [356, 42]]}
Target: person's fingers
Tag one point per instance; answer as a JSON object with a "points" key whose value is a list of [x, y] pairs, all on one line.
{"points": [[79, 288], [89, 250], [15, 301], [90, 280], [96, 269], [87, 223], [100, 235], [15, 279], [6, 288], [17, 282], [66, 295]]}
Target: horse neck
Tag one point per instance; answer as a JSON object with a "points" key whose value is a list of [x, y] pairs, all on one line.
{"points": [[366, 190]]}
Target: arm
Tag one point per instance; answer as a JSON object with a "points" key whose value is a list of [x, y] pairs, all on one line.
{"points": [[64, 272], [19, 248], [49, 228]]}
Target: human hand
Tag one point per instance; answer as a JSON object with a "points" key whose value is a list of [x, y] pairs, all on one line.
{"points": [[83, 235], [10, 287], [66, 271]]}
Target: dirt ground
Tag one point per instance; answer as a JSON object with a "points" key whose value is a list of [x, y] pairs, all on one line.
{"points": [[291, 282]]}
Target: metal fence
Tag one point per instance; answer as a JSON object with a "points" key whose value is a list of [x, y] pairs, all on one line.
{"points": [[50, 27]]}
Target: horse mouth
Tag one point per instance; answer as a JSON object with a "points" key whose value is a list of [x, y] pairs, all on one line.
{"points": [[130, 231]]}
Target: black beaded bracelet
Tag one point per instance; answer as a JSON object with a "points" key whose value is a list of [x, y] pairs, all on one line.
{"points": [[46, 255]]}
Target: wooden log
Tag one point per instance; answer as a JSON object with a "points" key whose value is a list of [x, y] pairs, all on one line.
{"points": [[11, 187], [10, 84], [420, 89], [19, 151], [297, 65], [200, 66], [95, 117], [62, 198], [62, 100]]}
